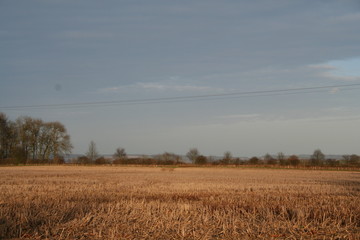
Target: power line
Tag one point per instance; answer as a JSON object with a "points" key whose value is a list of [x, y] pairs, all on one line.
{"points": [[206, 97]]}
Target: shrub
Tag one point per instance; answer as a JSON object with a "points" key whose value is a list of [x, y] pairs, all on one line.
{"points": [[293, 160], [120, 161], [101, 161], [201, 160], [83, 160], [332, 162], [254, 160]]}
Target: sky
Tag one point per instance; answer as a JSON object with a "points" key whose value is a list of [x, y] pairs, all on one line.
{"points": [[249, 76]]}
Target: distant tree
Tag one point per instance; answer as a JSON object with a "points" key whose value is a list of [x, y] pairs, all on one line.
{"points": [[237, 161], [192, 154], [120, 153], [8, 137], [29, 139], [294, 160], [227, 158], [92, 153], [282, 159], [317, 158], [254, 160], [54, 140], [352, 159], [12, 139], [3, 141], [23, 126], [346, 158], [269, 159], [211, 159], [168, 158], [42, 140], [201, 160]]}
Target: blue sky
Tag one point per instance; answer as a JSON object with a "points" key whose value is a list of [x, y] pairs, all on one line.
{"points": [[65, 52]]}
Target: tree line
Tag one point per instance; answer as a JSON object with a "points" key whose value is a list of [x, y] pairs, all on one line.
{"points": [[193, 155], [316, 159], [29, 140]]}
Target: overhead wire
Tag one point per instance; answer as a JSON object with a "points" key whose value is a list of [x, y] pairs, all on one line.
{"points": [[191, 98]]}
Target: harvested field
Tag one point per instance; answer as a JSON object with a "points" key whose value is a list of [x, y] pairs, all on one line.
{"points": [[75, 202]]}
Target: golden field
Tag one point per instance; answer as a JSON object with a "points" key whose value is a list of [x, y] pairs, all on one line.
{"points": [[110, 202]]}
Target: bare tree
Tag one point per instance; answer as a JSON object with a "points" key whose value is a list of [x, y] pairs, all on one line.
{"points": [[54, 142], [11, 139], [227, 158], [352, 159], [120, 153], [23, 127], [317, 158], [92, 153], [3, 125], [32, 139], [120, 156], [269, 159], [7, 131], [30, 134], [168, 158], [281, 158], [192, 154]]}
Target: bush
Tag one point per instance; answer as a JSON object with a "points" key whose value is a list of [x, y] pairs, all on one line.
{"points": [[332, 162], [201, 160], [254, 160], [269, 159], [59, 160], [120, 161], [293, 160], [101, 161], [238, 161], [284, 161], [82, 160], [168, 159]]}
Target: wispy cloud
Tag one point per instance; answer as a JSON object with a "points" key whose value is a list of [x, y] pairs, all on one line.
{"points": [[348, 17], [333, 76], [327, 67], [333, 72]]}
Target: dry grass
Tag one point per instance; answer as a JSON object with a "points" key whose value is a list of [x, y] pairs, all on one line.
{"points": [[67, 202]]}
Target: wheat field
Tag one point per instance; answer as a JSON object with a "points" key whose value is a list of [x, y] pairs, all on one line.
{"points": [[108, 202]]}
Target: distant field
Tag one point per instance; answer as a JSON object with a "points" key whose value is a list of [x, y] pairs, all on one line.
{"points": [[74, 202]]}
